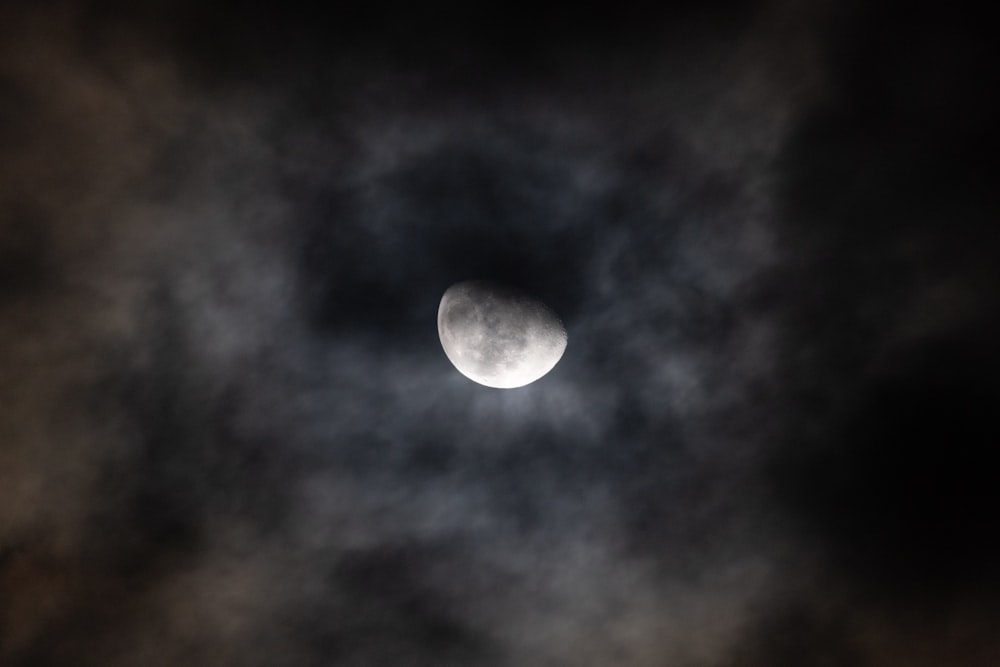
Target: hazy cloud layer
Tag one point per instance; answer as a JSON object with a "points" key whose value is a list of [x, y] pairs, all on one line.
{"points": [[229, 435]]}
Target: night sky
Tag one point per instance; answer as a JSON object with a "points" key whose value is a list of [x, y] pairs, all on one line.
{"points": [[229, 435]]}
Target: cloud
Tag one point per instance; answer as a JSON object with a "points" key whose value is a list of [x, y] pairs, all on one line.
{"points": [[231, 436]]}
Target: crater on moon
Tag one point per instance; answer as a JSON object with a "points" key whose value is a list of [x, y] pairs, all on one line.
{"points": [[497, 335]]}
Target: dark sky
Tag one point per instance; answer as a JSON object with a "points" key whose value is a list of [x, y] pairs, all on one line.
{"points": [[229, 435]]}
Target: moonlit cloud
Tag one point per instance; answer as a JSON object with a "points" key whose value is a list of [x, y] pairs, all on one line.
{"points": [[229, 434]]}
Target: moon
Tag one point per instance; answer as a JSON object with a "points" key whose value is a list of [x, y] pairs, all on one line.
{"points": [[498, 336]]}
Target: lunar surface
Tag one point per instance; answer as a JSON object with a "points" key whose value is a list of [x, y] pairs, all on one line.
{"points": [[498, 336]]}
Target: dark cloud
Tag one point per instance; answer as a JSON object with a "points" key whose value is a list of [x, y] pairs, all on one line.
{"points": [[801, 635], [884, 184], [230, 435]]}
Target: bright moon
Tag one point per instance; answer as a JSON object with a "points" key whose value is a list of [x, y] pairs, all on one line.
{"points": [[498, 336]]}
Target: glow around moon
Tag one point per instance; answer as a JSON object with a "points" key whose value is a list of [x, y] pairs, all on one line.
{"points": [[497, 336]]}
